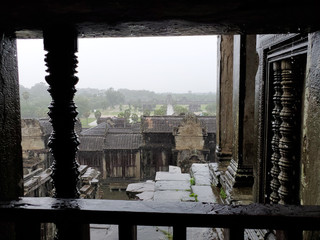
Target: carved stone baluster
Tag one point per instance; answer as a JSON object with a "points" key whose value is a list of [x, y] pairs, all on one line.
{"points": [[275, 184], [287, 131], [61, 44]]}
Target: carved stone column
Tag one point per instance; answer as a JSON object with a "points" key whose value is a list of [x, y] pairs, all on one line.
{"points": [[276, 121], [288, 133], [238, 179], [61, 44], [60, 41], [224, 130]]}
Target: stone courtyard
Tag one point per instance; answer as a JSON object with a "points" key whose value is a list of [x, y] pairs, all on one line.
{"points": [[172, 186]]}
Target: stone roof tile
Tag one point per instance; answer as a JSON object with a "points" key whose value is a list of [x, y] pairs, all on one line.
{"points": [[123, 141]]}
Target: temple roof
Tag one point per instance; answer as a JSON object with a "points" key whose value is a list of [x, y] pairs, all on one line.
{"points": [[89, 143], [99, 130], [123, 141]]}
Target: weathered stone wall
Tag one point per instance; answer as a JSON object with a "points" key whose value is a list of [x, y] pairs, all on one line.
{"points": [[154, 159], [190, 136], [35, 151], [122, 164], [32, 135], [310, 154], [11, 178], [93, 159]]}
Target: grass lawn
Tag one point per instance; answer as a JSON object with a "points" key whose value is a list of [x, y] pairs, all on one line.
{"points": [[84, 122]]}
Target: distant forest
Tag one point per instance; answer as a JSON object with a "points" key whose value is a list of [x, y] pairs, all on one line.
{"points": [[35, 100]]}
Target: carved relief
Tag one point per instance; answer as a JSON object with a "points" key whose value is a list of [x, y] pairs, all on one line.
{"points": [[190, 134]]}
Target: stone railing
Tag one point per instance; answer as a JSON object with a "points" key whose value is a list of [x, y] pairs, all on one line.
{"points": [[128, 214]]}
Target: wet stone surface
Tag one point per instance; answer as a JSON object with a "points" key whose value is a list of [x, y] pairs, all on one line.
{"points": [[201, 174], [172, 185], [204, 193], [172, 196], [167, 176]]}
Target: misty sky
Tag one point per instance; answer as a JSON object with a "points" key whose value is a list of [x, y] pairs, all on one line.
{"points": [[160, 64]]}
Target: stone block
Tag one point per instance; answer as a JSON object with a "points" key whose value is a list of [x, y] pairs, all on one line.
{"points": [[174, 169], [147, 186], [145, 196], [172, 196], [172, 185], [200, 173], [167, 176], [204, 193]]}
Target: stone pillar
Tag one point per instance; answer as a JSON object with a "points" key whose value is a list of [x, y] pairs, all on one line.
{"points": [[60, 41], [238, 178], [11, 173], [224, 102]]}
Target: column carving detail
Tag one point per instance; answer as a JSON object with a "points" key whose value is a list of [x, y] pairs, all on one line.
{"points": [[276, 122], [288, 115], [61, 62]]}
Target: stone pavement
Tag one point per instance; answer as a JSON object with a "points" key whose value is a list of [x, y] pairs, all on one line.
{"points": [[172, 186]]}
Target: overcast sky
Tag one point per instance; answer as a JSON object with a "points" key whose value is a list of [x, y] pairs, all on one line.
{"points": [[160, 64]]}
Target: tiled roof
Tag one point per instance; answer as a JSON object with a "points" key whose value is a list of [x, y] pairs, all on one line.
{"points": [[99, 130], [91, 143], [134, 128], [166, 124], [123, 141], [209, 122], [158, 124]]}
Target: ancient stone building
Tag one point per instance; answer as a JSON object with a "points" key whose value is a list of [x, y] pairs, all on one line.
{"points": [[37, 161], [135, 153], [35, 151], [176, 140], [274, 150]]}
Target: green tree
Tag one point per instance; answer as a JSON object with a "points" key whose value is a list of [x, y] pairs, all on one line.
{"points": [[162, 111], [82, 103], [127, 114], [178, 110], [146, 112], [26, 95], [86, 115], [211, 109], [113, 98], [134, 118], [121, 115], [97, 115]]}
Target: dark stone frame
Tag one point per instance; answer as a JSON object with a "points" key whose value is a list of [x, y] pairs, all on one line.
{"points": [[269, 48]]}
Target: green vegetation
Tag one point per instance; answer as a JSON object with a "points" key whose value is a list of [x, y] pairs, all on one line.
{"points": [[96, 103], [85, 122], [168, 235], [192, 181], [223, 194], [194, 195], [161, 111], [179, 109]]}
